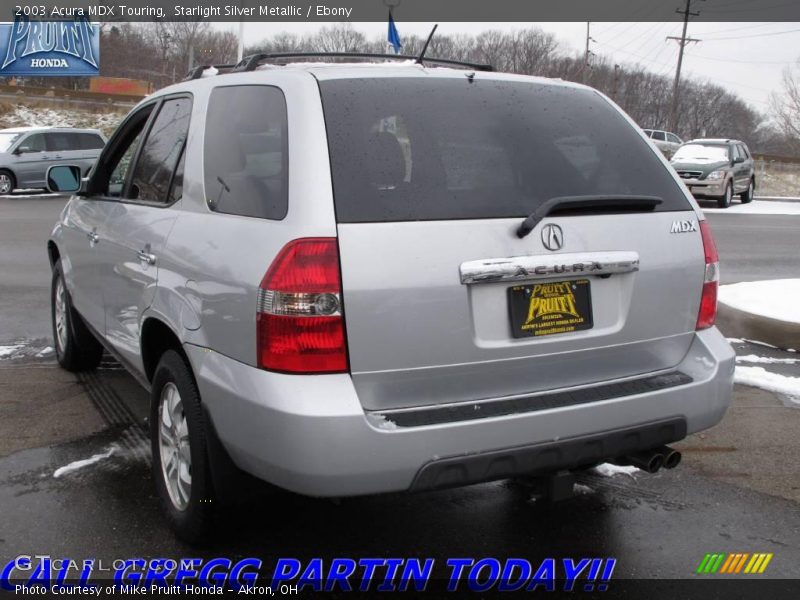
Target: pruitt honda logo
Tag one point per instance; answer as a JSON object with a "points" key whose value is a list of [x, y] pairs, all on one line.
{"points": [[735, 563], [50, 48]]}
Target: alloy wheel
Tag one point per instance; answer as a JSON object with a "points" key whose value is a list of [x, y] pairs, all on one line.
{"points": [[60, 315], [174, 448]]}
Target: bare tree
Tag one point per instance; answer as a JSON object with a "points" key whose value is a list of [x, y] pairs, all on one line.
{"points": [[785, 106]]}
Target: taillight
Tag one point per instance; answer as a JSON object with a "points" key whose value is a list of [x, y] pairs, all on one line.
{"points": [[707, 315], [299, 321]]}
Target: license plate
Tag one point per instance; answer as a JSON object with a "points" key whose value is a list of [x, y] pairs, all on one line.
{"points": [[549, 308]]}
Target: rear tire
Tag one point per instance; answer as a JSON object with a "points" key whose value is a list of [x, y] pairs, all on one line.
{"points": [[747, 196], [725, 201], [178, 442], [7, 181], [76, 347]]}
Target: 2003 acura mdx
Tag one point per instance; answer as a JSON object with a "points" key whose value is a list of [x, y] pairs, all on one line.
{"points": [[356, 278]]}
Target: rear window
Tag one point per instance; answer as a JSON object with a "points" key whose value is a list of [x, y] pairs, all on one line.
{"points": [[407, 149]]}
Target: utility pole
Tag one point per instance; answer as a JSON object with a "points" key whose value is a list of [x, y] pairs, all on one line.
{"points": [[616, 83], [682, 41], [587, 53]]}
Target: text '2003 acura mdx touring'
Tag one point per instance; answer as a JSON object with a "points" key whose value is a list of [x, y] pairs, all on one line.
{"points": [[350, 278]]}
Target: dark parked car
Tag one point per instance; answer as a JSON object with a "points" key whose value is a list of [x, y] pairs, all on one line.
{"points": [[716, 168]]}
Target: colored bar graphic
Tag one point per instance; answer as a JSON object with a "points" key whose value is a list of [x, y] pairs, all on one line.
{"points": [[734, 563]]}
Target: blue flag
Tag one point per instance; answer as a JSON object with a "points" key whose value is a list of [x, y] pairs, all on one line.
{"points": [[394, 37]]}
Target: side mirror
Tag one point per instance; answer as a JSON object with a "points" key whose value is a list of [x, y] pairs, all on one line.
{"points": [[738, 160], [22, 150], [64, 178]]}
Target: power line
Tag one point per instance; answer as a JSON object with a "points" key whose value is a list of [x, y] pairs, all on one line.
{"points": [[745, 62], [744, 37]]}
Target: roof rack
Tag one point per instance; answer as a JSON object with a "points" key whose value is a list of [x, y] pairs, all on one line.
{"points": [[249, 63], [197, 72]]}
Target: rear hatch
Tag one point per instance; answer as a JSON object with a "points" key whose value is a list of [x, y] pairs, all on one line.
{"points": [[443, 302]]}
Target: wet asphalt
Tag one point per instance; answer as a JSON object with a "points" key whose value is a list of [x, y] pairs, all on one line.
{"points": [[738, 489]]}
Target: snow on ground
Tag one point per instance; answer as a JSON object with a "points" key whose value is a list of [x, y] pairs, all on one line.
{"points": [[9, 351], [757, 207], [775, 298], [772, 382], [609, 470], [768, 360], [80, 464], [582, 490], [20, 115]]}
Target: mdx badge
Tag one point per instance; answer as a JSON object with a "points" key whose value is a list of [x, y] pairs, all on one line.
{"points": [[683, 226]]}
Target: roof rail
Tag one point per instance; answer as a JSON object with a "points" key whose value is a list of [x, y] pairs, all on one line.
{"points": [[197, 72], [249, 63]]}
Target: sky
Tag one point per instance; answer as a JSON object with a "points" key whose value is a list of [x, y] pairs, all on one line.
{"points": [[745, 58]]}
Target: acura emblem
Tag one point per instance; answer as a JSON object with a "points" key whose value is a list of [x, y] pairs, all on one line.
{"points": [[552, 237]]}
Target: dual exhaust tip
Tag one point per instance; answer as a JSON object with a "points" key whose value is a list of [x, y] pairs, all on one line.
{"points": [[654, 459]]}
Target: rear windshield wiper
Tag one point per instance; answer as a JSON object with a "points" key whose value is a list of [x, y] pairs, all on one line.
{"points": [[601, 203]]}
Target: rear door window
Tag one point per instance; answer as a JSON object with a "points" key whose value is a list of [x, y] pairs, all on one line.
{"points": [[61, 141], [246, 153], [405, 149], [161, 152], [658, 135]]}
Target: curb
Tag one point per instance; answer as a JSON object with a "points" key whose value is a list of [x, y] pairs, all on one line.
{"points": [[737, 323]]}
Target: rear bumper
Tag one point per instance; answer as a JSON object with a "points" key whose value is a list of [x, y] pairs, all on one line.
{"points": [[310, 434]]}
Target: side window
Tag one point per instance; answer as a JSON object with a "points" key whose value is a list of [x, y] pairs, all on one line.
{"points": [[152, 174], [120, 173], [735, 152], [658, 135], [671, 137], [90, 141], [743, 151], [34, 143], [112, 168], [245, 152], [60, 142]]}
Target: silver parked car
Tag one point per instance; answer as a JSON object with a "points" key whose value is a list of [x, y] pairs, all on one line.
{"points": [[665, 141], [378, 277], [27, 152]]}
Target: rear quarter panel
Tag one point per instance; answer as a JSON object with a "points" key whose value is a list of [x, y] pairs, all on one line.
{"points": [[213, 263]]}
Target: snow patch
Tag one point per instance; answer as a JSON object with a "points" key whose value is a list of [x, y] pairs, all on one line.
{"points": [[8, 351], [774, 299], [609, 470], [772, 382], [381, 422], [45, 352], [80, 464], [769, 360], [583, 490], [758, 208]]}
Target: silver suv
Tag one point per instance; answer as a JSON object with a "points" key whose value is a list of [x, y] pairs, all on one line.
{"points": [[27, 152], [348, 279]]}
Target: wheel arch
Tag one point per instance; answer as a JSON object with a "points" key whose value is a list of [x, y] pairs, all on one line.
{"points": [[14, 180], [53, 253], [156, 338]]}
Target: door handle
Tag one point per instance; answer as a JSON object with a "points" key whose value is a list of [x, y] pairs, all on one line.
{"points": [[93, 237], [146, 257]]}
